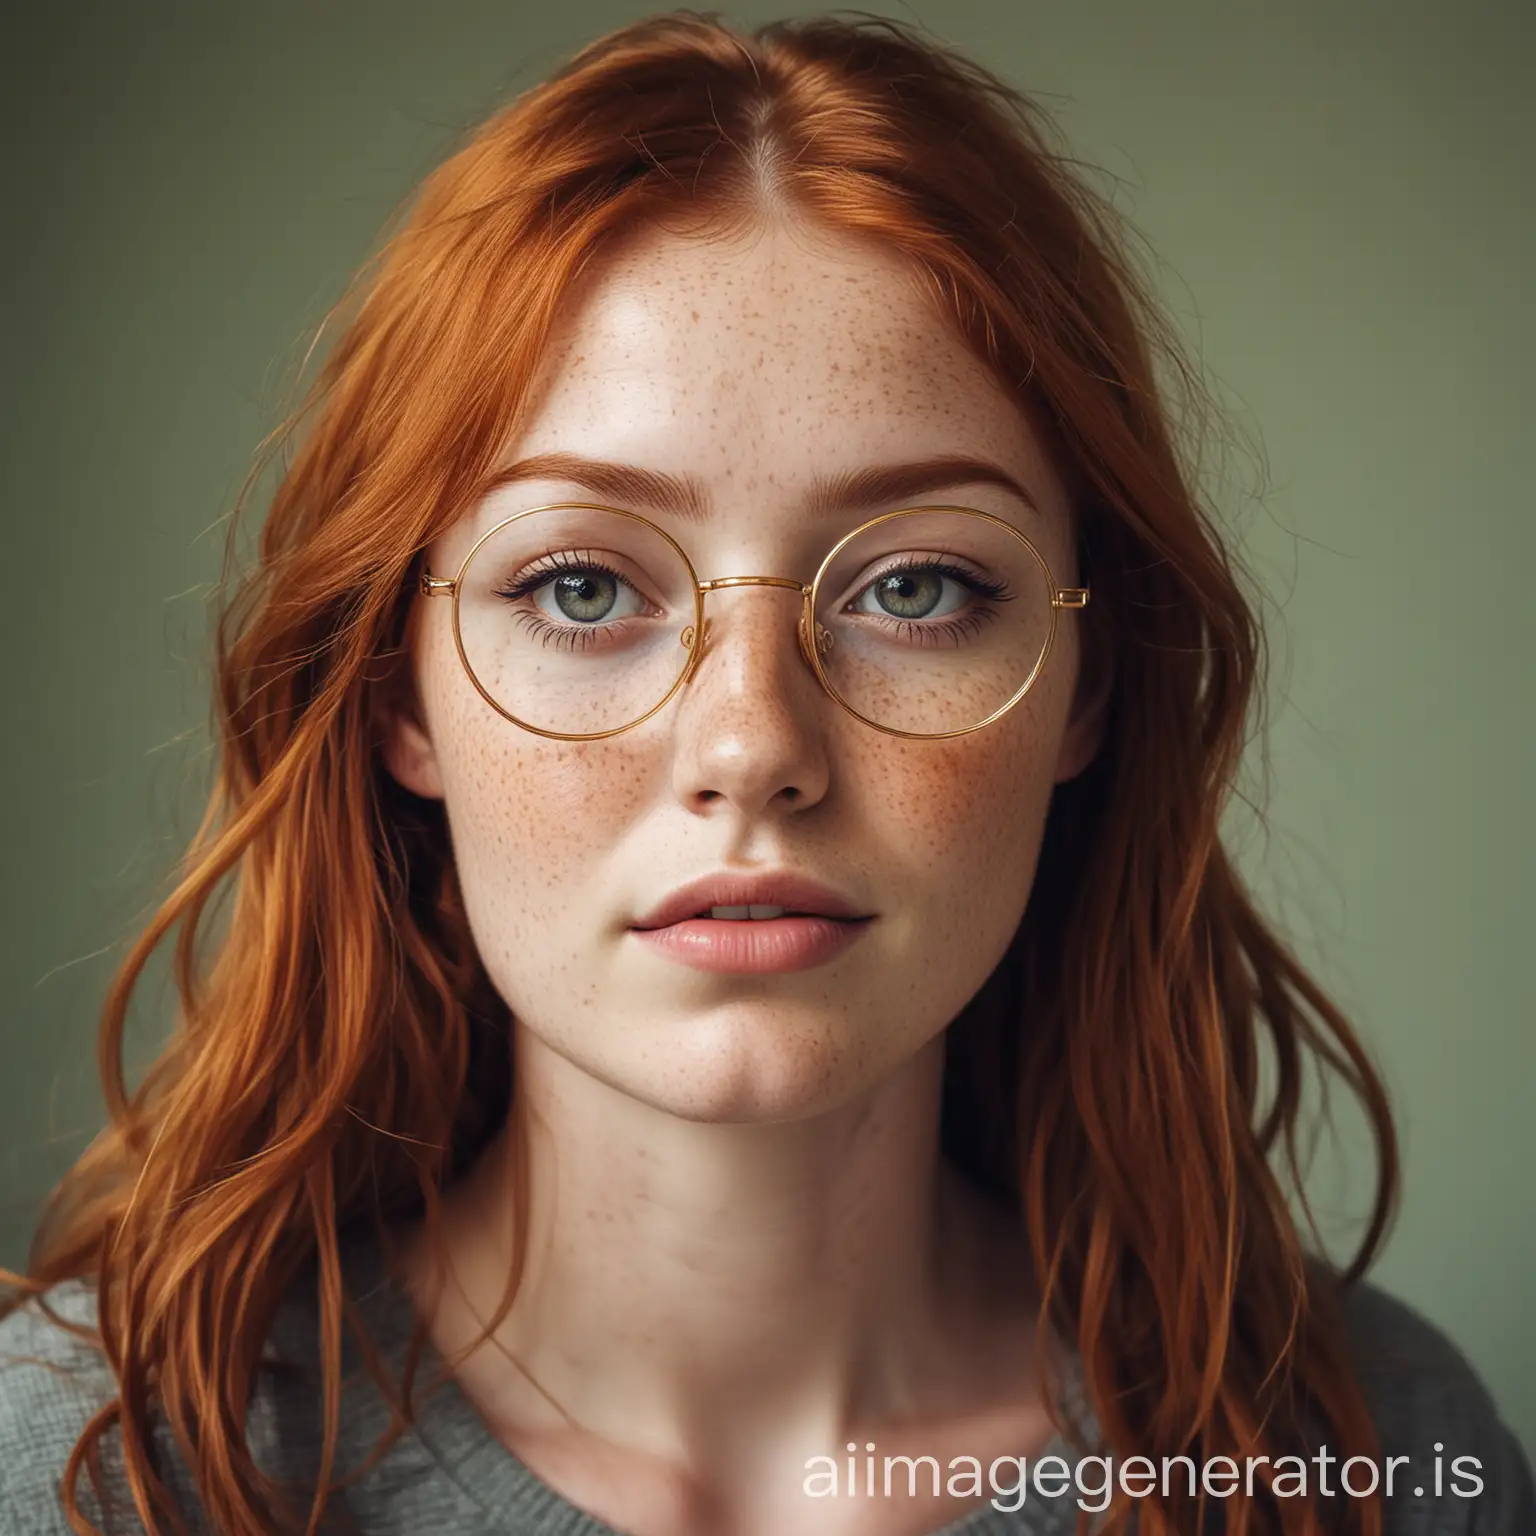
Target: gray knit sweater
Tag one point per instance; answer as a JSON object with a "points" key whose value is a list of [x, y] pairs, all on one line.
{"points": [[451, 1477]]}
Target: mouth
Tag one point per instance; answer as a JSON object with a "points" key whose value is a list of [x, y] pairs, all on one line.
{"points": [[751, 915], [758, 914], [756, 939], [769, 897]]}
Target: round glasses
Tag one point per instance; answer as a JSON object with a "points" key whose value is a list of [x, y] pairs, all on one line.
{"points": [[578, 621]]}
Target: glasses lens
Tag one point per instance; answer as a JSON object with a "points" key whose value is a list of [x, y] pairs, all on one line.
{"points": [[572, 619], [931, 621]]}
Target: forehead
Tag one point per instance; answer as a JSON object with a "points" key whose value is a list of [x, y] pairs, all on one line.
{"points": [[765, 363]]}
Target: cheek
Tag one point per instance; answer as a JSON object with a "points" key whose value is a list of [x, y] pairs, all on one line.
{"points": [[506, 784], [531, 818], [964, 818], [577, 789]]}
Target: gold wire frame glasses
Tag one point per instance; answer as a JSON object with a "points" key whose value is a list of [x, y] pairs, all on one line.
{"points": [[883, 667]]}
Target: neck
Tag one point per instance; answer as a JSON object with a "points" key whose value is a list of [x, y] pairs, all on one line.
{"points": [[710, 1279]]}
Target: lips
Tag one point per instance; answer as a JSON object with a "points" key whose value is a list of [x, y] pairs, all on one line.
{"points": [[799, 896]]}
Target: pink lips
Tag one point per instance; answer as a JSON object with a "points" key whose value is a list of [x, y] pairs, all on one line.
{"points": [[754, 945], [818, 924]]}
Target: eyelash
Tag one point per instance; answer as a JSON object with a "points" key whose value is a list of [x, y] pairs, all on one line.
{"points": [[551, 565], [994, 589], [580, 637], [558, 636]]}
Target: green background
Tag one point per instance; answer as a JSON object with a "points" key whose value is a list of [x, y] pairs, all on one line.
{"points": [[1341, 199]]}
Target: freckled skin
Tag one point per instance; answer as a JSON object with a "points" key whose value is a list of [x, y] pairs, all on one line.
{"points": [[744, 1249], [753, 365]]}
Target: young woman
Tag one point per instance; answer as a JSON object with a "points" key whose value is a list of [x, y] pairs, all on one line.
{"points": [[732, 1015]]}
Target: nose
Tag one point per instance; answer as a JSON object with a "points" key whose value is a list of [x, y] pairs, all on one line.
{"points": [[751, 723]]}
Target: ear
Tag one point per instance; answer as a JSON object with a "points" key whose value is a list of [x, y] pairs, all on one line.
{"points": [[1090, 711], [404, 745]]}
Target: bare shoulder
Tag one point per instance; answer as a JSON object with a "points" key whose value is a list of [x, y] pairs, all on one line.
{"points": [[1465, 1472], [51, 1385]]}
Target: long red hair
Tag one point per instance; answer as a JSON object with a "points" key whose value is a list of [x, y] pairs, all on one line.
{"points": [[339, 1053]]}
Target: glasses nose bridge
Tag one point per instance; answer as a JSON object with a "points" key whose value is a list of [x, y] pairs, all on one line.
{"points": [[755, 581], [801, 589]]}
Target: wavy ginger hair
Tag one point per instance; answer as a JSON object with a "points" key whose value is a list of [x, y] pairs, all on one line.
{"points": [[341, 1054]]}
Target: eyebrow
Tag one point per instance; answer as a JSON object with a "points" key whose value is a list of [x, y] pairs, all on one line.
{"points": [[685, 495]]}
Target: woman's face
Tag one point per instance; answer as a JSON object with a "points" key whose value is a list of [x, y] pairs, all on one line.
{"points": [[753, 368]]}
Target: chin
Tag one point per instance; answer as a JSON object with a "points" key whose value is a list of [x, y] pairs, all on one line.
{"points": [[746, 1065]]}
